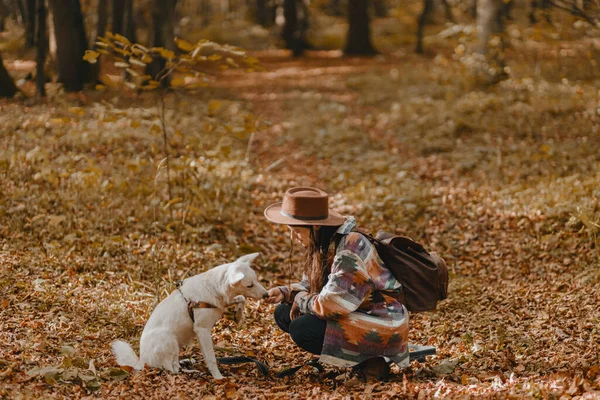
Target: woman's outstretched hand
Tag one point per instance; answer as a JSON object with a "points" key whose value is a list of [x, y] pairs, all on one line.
{"points": [[275, 295]]}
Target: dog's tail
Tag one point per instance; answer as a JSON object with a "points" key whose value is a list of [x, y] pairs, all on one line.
{"points": [[125, 354]]}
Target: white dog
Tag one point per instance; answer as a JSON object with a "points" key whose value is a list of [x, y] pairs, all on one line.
{"points": [[193, 308]]}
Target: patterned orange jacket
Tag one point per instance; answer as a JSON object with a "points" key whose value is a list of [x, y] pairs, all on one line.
{"points": [[360, 304]]}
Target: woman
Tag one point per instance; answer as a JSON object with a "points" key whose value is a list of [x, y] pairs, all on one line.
{"points": [[346, 308]]}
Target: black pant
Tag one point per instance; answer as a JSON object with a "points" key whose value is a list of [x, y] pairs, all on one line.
{"points": [[307, 331]]}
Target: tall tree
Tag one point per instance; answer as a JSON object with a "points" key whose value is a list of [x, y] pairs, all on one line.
{"points": [[205, 13], [489, 22], [358, 40], [295, 14], [122, 19], [129, 22], [7, 86], [261, 12], [118, 16], [162, 33], [3, 14], [71, 44], [30, 11], [380, 8], [335, 7], [21, 14], [100, 32], [42, 46], [428, 6], [423, 17]]}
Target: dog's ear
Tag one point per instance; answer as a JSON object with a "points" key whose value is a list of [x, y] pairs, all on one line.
{"points": [[248, 258], [234, 276]]}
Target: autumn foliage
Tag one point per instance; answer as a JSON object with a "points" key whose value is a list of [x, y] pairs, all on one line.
{"points": [[501, 180]]}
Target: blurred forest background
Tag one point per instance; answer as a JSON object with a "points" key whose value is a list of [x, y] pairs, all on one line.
{"points": [[142, 139], [34, 29]]}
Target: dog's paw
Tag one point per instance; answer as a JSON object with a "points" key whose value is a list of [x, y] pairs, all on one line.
{"points": [[238, 315], [218, 377], [238, 300], [187, 363]]}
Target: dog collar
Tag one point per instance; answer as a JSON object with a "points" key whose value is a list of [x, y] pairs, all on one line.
{"points": [[194, 304]]}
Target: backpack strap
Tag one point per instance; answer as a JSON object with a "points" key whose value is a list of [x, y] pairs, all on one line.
{"points": [[339, 236]]}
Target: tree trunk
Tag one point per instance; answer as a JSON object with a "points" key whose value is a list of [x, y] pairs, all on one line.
{"points": [[295, 14], [507, 9], [162, 35], [3, 14], [335, 7], [71, 44], [290, 16], [30, 24], [42, 46], [100, 32], [118, 13], [261, 12], [423, 19], [102, 20], [128, 22], [205, 13], [7, 86], [21, 13], [359, 33], [380, 8], [448, 10], [489, 22]]}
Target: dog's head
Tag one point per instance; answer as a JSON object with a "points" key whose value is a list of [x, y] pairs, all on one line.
{"points": [[242, 278]]}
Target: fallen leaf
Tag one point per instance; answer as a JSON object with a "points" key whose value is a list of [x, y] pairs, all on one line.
{"points": [[68, 350], [118, 374], [445, 367]]}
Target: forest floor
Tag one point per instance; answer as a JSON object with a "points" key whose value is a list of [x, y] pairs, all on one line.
{"points": [[502, 181]]}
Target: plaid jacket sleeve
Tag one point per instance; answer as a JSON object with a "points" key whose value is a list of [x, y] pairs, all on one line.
{"points": [[290, 291], [344, 291]]}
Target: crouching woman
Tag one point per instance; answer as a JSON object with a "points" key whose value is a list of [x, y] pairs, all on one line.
{"points": [[347, 308]]}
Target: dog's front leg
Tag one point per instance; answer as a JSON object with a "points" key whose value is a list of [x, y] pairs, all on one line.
{"points": [[238, 310], [206, 345]]}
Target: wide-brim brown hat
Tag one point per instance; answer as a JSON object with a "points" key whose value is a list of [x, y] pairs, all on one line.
{"points": [[304, 206]]}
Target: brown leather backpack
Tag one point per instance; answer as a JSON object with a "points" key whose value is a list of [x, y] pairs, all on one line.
{"points": [[423, 275]]}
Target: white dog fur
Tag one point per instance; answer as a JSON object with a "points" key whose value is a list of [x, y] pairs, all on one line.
{"points": [[170, 326]]}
